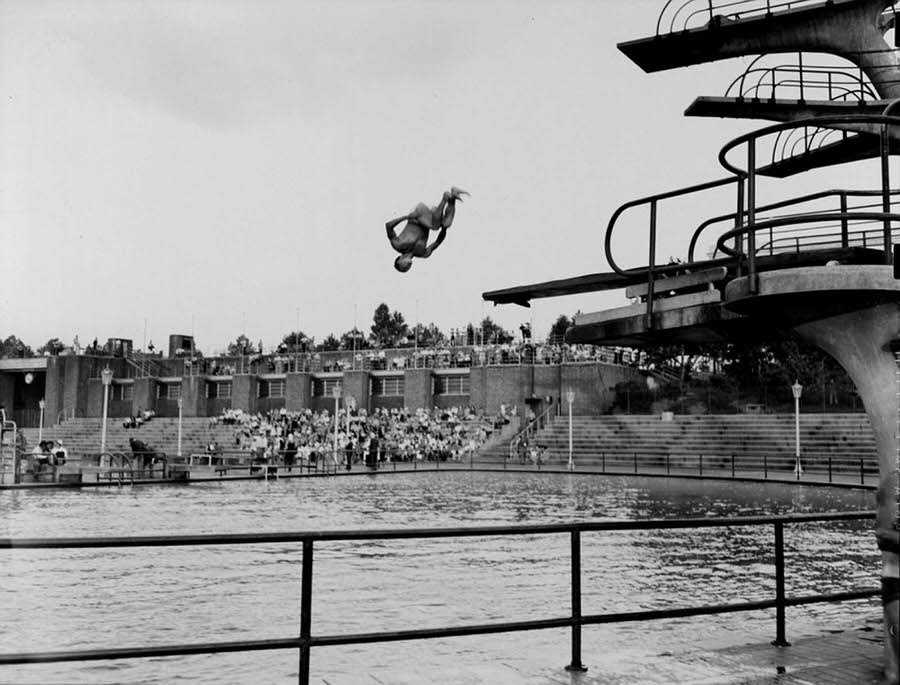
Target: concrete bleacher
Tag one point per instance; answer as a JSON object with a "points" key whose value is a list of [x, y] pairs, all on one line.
{"points": [[82, 435], [845, 438]]}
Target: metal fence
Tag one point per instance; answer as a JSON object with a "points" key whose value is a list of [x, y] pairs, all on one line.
{"points": [[574, 620]]}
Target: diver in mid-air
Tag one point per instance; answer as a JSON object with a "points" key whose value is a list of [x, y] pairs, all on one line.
{"points": [[413, 239]]}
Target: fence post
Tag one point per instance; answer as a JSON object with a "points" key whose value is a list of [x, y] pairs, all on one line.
{"points": [[305, 610], [732, 464], [576, 664], [701, 464], [635, 462], [603, 462], [780, 639], [862, 473], [829, 469], [765, 467]]}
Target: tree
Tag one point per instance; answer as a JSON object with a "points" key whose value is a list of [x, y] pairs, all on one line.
{"points": [[295, 341], [354, 339], [495, 333], [12, 347], [428, 336], [558, 329], [52, 347], [388, 329], [330, 344], [241, 346]]}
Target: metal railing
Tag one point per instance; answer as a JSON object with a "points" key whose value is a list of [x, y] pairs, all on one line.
{"points": [[699, 13], [742, 254], [837, 83], [574, 620]]}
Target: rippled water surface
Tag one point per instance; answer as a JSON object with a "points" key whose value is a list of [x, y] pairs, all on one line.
{"points": [[80, 599]]}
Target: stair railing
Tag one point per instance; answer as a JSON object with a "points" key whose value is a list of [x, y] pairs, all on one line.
{"points": [[531, 429]]}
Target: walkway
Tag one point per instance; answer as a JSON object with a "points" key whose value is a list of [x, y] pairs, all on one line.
{"points": [[851, 657]]}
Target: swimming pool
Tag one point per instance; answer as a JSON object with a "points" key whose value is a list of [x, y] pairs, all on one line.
{"points": [[80, 599]]}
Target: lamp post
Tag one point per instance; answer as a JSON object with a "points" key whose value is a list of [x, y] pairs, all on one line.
{"points": [[41, 404], [797, 389], [337, 401], [570, 398], [180, 411], [106, 376]]}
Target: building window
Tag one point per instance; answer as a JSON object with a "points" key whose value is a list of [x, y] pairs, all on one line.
{"points": [[451, 385], [218, 390], [387, 386], [121, 391], [270, 389], [324, 387], [168, 391]]}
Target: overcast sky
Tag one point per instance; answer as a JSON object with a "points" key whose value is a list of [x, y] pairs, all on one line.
{"points": [[216, 166]]}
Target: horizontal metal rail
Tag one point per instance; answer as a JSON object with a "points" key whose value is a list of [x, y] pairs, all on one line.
{"points": [[306, 640]]}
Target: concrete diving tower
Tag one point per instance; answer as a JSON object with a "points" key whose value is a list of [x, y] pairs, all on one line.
{"points": [[821, 265], [861, 80]]}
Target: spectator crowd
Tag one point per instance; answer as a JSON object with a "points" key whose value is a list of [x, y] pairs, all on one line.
{"points": [[305, 437]]}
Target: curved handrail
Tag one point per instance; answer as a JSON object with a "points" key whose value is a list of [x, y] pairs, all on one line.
{"points": [[740, 231], [706, 7], [819, 122], [834, 192], [850, 75], [652, 200]]}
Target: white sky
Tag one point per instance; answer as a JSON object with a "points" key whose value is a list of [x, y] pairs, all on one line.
{"points": [[214, 165]]}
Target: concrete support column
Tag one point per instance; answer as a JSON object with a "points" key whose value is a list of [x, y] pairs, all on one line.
{"points": [[144, 395], [193, 396], [861, 342], [418, 390], [355, 384], [244, 393], [298, 391]]}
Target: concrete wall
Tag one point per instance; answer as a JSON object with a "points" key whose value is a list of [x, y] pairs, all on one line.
{"points": [[243, 393], [418, 388], [68, 386], [297, 391], [355, 384]]}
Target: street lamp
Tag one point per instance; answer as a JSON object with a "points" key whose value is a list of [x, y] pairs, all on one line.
{"points": [[570, 398], [797, 389], [41, 404], [337, 401], [106, 376], [180, 408]]}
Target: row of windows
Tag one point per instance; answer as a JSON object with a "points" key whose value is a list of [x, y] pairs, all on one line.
{"points": [[120, 391], [387, 386], [270, 389]]}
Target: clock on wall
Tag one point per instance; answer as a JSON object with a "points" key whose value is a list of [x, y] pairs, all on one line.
{"points": [[29, 377]]}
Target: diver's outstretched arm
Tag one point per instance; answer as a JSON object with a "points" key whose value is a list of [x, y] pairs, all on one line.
{"points": [[392, 224], [431, 248]]}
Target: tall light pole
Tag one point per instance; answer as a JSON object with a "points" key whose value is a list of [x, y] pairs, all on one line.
{"points": [[797, 389], [106, 376], [41, 405], [297, 345], [337, 403], [570, 398], [180, 411]]}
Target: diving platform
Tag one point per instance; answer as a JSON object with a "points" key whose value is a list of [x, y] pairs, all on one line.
{"points": [[695, 33]]}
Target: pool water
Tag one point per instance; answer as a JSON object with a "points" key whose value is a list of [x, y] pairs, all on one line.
{"points": [[82, 599]]}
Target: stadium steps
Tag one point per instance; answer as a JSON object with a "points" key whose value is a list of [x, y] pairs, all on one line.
{"points": [[845, 438]]}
